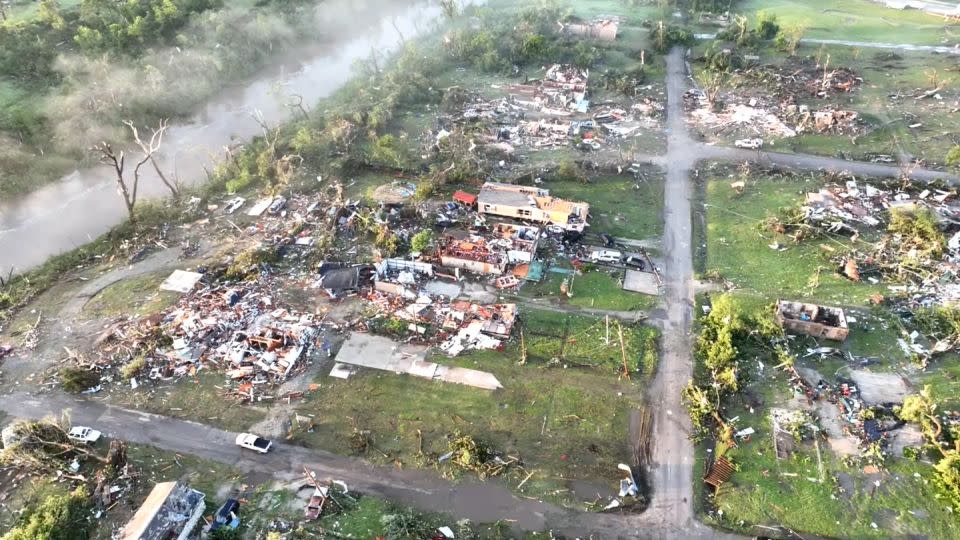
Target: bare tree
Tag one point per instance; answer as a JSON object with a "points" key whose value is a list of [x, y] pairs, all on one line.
{"points": [[117, 162], [151, 148]]}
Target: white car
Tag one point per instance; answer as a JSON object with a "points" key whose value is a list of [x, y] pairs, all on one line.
{"points": [[751, 144], [84, 434], [252, 442], [606, 255]]}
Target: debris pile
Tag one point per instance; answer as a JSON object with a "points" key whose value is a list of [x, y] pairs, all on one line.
{"points": [[236, 328]]}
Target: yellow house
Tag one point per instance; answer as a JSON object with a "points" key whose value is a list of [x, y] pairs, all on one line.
{"points": [[531, 203]]}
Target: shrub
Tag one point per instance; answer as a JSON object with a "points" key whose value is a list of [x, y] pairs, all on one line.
{"points": [[74, 379], [59, 517], [133, 367]]}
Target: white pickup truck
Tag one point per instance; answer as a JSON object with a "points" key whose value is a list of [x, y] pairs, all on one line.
{"points": [[252, 442]]}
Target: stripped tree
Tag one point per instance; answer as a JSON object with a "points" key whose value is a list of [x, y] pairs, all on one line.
{"points": [[151, 148]]}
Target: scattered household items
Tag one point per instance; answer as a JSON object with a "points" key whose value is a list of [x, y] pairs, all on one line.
{"points": [[813, 320], [253, 442], [170, 512]]}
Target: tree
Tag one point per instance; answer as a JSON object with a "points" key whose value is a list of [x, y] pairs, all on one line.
{"points": [[58, 517], [151, 148], [117, 161], [921, 409], [789, 39], [767, 26], [421, 241], [49, 12]]}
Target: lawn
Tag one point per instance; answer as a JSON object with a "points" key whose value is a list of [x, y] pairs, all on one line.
{"points": [[136, 296], [565, 418], [199, 398], [738, 243], [620, 205], [856, 20]]}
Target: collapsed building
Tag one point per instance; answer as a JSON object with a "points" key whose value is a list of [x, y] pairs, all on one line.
{"points": [[171, 512], [528, 203], [813, 320], [506, 245]]}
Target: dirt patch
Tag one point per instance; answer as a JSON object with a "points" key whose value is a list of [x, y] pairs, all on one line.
{"points": [[878, 388]]}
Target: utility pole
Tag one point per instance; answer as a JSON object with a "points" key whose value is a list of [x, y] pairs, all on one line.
{"points": [[523, 349], [607, 339], [623, 351]]}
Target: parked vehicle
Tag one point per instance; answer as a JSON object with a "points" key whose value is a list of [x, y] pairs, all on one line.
{"points": [[606, 256], [751, 144], [608, 241], [252, 442], [84, 434], [227, 516], [635, 261], [277, 205]]}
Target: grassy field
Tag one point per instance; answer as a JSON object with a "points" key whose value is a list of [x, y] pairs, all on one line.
{"points": [[856, 20], [839, 499], [564, 412], [738, 243], [598, 288], [200, 398], [137, 296], [620, 205]]}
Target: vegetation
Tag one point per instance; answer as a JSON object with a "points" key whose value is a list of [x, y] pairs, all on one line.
{"points": [[74, 379], [59, 517]]}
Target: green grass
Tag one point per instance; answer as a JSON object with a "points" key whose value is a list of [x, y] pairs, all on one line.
{"points": [[138, 296], [620, 206], [738, 244], [199, 398], [766, 491], [594, 289], [565, 422], [856, 20]]}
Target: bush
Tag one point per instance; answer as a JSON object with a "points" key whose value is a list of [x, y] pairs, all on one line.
{"points": [[421, 241], [75, 379], [569, 171]]}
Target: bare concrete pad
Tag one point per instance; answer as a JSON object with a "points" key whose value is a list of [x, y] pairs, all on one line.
{"points": [[830, 421], [641, 282], [377, 352], [880, 387], [908, 435]]}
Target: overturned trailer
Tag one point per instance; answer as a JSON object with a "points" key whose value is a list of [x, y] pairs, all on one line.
{"points": [[813, 320]]}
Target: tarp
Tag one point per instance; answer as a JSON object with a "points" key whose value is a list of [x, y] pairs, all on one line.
{"points": [[465, 198]]}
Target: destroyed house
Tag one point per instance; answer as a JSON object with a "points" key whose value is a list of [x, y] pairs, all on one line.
{"points": [[531, 204], [813, 320], [401, 277], [170, 512], [474, 254]]}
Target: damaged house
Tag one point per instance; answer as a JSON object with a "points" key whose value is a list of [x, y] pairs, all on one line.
{"points": [[339, 279], [401, 277], [528, 203], [170, 512], [813, 320], [506, 245]]}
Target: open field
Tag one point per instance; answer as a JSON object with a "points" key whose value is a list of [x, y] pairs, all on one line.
{"points": [[857, 20], [564, 412]]}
